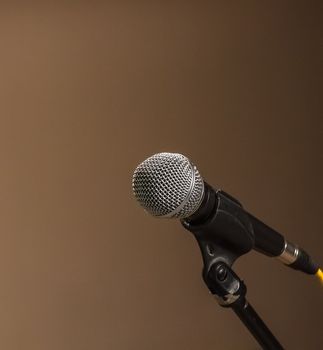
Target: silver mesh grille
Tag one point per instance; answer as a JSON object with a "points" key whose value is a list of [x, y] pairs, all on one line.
{"points": [[168, 185]]}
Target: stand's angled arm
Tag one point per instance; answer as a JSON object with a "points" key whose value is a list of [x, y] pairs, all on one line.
{"points": [[230, 291]]}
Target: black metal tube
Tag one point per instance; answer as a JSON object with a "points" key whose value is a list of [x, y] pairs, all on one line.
{"points": [[256, 326]]}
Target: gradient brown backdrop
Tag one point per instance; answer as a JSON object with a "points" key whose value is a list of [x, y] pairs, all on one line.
{"points": [[87, 91]]}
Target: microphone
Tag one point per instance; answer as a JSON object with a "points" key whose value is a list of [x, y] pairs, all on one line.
{"points": [[168, 185]]}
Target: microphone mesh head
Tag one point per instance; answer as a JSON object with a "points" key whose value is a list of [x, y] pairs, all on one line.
{"points": [[168, 185]]}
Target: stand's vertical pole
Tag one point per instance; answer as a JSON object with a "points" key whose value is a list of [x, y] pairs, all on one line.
{"points": [[256, 326]]}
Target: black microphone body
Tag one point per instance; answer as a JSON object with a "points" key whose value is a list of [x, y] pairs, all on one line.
{"points": [[221, 220]]}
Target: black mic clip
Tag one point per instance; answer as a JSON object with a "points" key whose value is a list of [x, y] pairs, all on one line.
{"points": [[224, 233], [223, 230]]}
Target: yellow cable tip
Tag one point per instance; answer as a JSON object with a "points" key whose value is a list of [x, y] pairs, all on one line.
{"points": [[319, 274]]}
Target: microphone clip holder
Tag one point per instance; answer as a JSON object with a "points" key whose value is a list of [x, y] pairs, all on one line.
{"points": [[223, 235]]}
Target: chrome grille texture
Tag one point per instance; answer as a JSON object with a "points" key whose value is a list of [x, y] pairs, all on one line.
{"points": [[168, 185]]}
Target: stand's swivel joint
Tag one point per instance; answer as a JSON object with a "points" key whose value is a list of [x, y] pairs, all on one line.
{"points": [[224, 284]]}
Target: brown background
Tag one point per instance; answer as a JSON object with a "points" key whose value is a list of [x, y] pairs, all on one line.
{"points": [[87, 91]]}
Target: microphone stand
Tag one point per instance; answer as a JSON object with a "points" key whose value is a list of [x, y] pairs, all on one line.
{"points": [[230, 291]]}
